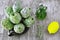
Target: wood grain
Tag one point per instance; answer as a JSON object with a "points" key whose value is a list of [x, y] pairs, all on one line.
{"points": [[53, 14]]}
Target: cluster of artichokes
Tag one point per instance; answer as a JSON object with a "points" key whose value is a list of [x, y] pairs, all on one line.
{"points": [[15, 14]]}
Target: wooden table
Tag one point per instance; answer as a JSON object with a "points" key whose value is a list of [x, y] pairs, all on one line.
{"points": [[53, 14]]}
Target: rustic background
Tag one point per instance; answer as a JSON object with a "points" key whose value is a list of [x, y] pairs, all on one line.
{"points": [[53, 14]]}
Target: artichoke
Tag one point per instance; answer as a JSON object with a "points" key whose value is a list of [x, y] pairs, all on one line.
{"points": [[19, 28], [15, 18], [16, 7], [25, 12], [29, 21], [9, 10], [7, 24], [41, 12]]}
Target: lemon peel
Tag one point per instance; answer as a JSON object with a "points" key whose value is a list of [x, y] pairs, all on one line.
{"points": [[53, 27]]}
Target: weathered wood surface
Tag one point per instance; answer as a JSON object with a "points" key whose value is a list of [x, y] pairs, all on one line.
{"points": [[53, 14]]}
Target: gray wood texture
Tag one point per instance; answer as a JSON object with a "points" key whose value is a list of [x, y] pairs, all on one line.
{"points": [[53, 14]]}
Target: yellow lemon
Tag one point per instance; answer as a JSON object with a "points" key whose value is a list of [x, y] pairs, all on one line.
{"points": [[53, 27]]}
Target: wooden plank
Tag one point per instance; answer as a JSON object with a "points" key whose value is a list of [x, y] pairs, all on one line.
{"points": [[53, 14], [5, 36]]}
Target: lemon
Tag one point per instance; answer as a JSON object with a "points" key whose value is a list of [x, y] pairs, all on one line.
{"points": [[53, 27]]}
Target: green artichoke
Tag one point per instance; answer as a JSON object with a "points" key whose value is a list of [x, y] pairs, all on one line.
{"points": [[41, 12], [19, 28], [16, 7], [25, 12], [6, 24], [9, 10], [15, 18], [29, 21]]}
